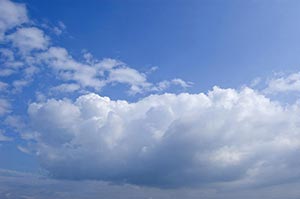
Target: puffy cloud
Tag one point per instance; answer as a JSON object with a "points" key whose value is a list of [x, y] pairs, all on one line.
{"points": [[69, 69], [28, 39], [11, 15], [137, 81], [224, 136]]}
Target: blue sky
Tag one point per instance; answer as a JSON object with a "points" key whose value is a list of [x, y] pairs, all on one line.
{"points": [[205, 42], [192, 96]]}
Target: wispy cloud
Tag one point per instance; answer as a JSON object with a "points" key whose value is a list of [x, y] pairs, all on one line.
{"points": [[284, 84], [29, 50]]}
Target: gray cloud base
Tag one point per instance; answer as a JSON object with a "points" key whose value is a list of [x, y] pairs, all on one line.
{"points": [[16, 185]]}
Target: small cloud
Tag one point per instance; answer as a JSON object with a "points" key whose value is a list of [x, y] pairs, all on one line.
{"points": [[255, 82], [283, 84], [12, 15], [28, 39], [66, 88], [5, 106]]}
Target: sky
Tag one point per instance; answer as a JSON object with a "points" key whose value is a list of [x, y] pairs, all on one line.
{"points": [[149, 99]]}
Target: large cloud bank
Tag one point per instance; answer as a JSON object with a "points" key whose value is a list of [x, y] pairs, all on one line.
{"points": [[169, 140], [236, 137]]}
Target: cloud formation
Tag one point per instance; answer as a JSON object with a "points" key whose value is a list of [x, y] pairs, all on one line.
{"points": [[28, 39], [28, 50], [18, 185], [169, 140], [4, 106], [12, 14], [227, 136], [283, 84]]}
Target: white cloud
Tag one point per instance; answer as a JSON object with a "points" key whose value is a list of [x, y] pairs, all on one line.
{"points": [[11, 15], [169, 140], [19, 84], [8, 62], [284, 84], [69, 69], [28, 39], [137, 81], [58, 30], [3, 86], [4, 106], [163, 85], [35, 52], [66, 88], [96, 74], [180, 82]]}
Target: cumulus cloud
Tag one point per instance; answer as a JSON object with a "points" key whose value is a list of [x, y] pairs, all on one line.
{"points": [[137, 81], [12, 14], [169, 140], [28, 39], [227, 136]]}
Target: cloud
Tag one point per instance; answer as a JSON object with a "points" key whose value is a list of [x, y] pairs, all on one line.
{"points": [[66, 88], [35, 53], [289, 83], [19, 85], [12, 14], [58, 30], [168, 140], [68, 69], [21, 185], [163, 85], [4, 137], [28, 39], [94, 74], [137, 81], [3, 86], [10, 65], [4, 106], [228, 138]]}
